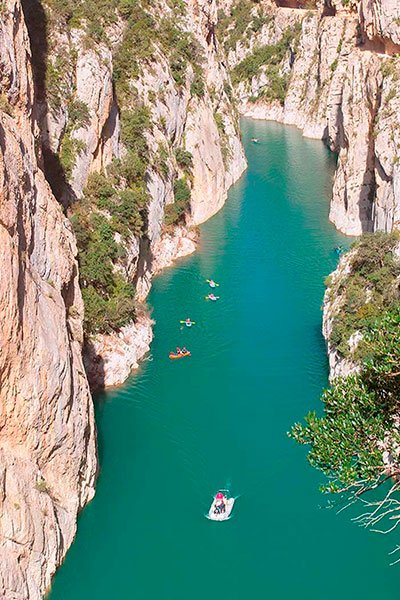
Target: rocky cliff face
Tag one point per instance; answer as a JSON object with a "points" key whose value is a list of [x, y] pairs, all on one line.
{"points": [[365, 285], [340, 83], [47, 432], [188, 110], [60, 120]]}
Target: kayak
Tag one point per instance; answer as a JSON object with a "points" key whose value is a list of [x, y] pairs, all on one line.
{"points": [[212, 283], [174, 356], [188, 323], [214, 514], [213, 298]]}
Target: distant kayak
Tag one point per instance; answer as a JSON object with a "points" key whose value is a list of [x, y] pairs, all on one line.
{"points": [[254, 140], [221, 507], [212, 297], [188, 322], [174, 356], [212, 283]]}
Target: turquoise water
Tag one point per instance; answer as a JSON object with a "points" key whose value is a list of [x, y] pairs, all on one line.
{"points": [[180, 430]]}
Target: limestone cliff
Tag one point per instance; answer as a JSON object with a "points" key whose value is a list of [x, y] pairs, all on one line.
{"points": [[337, 80], [183, 99], [47, 433]]}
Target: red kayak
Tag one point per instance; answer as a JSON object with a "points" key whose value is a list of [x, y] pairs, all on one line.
{"points": [[173, 356]]}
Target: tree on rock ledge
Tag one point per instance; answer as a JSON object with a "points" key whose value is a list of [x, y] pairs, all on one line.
{"points": [[356, 443]]}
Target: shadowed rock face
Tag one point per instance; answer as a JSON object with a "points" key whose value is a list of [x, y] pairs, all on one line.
{"points": [[47, 433]]}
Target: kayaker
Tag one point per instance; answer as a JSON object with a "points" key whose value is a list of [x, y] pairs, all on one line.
{"points": [[184, 351], [212, 283], [178, 351], [188, 323]]}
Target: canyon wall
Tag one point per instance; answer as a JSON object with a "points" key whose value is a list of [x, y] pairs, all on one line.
{"points": [[60, 121], [47, 433], [340, 79], [189, 112]]}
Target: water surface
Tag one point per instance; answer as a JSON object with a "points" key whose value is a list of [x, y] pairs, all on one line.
{"points": [[179, 430]]}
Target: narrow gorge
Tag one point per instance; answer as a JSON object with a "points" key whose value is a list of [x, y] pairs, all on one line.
{"points": [[119, 136]]}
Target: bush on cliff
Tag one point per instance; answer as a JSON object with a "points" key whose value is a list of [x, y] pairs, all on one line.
{"points": [[361, 420], [175, 213], [371, 286]]}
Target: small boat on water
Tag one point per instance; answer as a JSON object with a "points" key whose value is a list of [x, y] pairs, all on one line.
{"points": [[221, 507], [175, 355], [212, 283], [212, 297], [187, 322]]}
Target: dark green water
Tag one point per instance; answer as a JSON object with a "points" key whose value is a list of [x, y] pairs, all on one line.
{"points": [[179, 430]]}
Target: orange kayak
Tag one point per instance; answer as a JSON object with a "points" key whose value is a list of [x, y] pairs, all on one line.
{"points": [[173, 356]]}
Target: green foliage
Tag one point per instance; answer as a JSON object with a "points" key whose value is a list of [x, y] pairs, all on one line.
{"points": [[175, 213], [70, 149], [5, 106], [197, 87], [277, 85], [371, 287], [225, 149], [78, 114], [334, 65], [241, 21], [106, 314], [184, 158], [133, 125], [99, 191], [182, 49], [137, 45], [57, 84], [269, 56], [108, 297], [360, 410], [41, 485]]}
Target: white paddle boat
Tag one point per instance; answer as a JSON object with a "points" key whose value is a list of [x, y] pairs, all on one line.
{"points": [[221, 507]]}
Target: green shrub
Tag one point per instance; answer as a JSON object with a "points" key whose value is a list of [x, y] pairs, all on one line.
{"points": [[5, 106], [133, 126], [197, 87], [269, 56], [359, 419], [175, 213], [371, 287], [99, 190], [132, 167], [184, 158], [70, 149], [78, 114]]}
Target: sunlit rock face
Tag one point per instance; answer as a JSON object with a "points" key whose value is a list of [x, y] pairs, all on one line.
{"points": [[47, 433]]}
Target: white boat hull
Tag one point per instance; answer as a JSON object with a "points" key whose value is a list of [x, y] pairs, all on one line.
{"points": [[221, 516]]}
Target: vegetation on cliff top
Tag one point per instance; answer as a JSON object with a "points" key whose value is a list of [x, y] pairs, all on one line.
{"points": [[112, 211], [371, 286], [269, 59], [245, 18], [114, 208]]}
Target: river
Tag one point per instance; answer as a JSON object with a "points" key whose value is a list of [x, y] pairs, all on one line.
{"points": [[179, 430]]}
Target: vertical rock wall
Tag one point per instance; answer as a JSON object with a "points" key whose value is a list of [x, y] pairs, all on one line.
{"points": [[47, 432]]}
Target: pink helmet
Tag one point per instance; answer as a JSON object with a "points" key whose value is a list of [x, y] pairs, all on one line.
{"points": [[219, 496]]}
